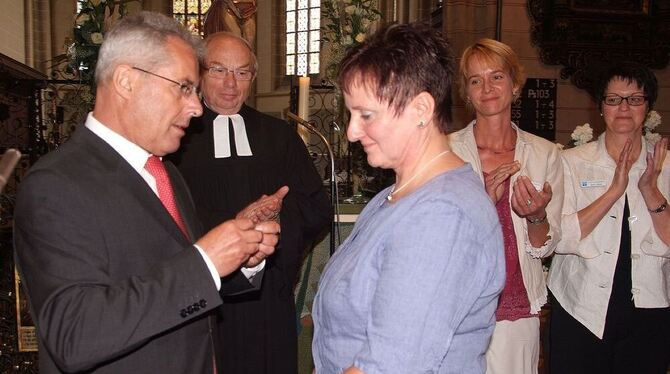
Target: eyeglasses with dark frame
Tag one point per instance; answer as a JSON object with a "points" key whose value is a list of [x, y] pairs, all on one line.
{"points": [[220, 72], [186, 88], [633, 100]]}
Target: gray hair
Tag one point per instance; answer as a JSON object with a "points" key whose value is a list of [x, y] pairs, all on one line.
{"points": [[139, 39], [227, 34]]}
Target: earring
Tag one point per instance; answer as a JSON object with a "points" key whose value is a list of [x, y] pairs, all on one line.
{"points": [[601, 114], [422, 124]]}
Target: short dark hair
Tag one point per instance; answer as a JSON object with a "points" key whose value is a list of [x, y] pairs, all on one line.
{"points": [[399, 62], [630, 72]]}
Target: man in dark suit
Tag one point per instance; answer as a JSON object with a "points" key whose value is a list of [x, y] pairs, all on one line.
{"points": [[229, 157], [105, 244]]}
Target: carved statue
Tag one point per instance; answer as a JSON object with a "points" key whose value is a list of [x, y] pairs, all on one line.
{"points": [[236, 16]]}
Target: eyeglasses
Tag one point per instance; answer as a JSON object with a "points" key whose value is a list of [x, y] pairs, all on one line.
{"points": [[614, 99], [186, 88], [220, 72]]}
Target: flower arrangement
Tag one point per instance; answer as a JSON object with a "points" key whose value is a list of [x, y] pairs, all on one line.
{"points": [[93, 20], [78, 62], [584, 133], [347, 24]]}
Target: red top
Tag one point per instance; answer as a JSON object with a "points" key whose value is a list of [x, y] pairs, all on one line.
{"points": [[513, 303]]}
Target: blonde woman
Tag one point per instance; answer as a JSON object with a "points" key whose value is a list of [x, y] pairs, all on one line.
{"points": [[523, 176]]}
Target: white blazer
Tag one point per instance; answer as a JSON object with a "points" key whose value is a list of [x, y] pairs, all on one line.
{"points": [[582, 271]]}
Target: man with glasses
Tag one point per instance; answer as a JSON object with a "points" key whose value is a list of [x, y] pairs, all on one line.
{"points": [[119, 276], [231, 156]]}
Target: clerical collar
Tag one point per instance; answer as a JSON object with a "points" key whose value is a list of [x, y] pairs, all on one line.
{"points": [[222, 136]]}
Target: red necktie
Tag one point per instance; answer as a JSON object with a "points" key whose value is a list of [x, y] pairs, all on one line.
{"points": [[156, 168]]}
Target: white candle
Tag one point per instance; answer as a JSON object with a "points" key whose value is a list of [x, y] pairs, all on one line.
{"points": [[303, 106]]}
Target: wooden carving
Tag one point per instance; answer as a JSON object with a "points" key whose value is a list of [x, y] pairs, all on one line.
{"points": [[584, 35]]}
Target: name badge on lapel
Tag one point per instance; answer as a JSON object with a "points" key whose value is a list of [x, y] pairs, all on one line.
{"points": [[590, 184]]}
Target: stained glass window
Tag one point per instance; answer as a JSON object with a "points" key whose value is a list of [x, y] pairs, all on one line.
{"points": [[191, 13], [303, 36]]}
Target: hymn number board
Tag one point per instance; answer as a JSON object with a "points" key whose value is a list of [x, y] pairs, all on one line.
{"points": [[535, 109]]}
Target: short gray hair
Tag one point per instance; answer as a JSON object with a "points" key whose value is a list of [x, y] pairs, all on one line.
{"points": [[139, 39]]}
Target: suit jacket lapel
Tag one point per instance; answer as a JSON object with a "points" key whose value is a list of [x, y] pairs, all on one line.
{"points": [[122, 173]]}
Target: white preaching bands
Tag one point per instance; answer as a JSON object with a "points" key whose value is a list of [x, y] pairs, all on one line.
{"points": [[222, 138]]}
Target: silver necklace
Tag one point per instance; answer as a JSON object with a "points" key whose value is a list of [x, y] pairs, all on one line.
{"points": [[394, 191]]}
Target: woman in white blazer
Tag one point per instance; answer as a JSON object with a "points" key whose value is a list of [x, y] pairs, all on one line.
{"points": [[610, 275]]}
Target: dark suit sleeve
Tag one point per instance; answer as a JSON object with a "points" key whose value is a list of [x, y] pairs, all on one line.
{"points": [[85, 312]]}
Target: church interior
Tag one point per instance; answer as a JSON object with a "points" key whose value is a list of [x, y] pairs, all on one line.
{"points": [[46, 88]]}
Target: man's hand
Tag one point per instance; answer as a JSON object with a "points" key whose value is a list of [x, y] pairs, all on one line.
{"points": [[266, 208], [234, 242], [266, 247]]}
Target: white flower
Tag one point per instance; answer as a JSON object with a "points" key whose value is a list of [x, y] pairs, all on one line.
{"points": [[653, 120], [97, 38], [582, 134], [652, 137], [83, 18], [348, 28], [347, 40], [360, 38]]}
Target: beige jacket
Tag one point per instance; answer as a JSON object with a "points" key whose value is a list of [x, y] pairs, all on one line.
{"points": [[541, 162]]}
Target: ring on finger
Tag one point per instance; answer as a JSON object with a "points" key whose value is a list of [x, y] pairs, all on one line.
{"points": [[529, 202]]}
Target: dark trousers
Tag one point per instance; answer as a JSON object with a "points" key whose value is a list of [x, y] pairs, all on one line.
{"points": [[636, 341]]}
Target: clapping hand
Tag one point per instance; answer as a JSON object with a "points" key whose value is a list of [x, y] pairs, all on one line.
{"points": [[648, 181], [623, 165], [494, 181], [527, 201]]}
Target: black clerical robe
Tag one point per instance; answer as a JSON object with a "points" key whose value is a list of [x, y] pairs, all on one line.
{"points": [[257, 332]]}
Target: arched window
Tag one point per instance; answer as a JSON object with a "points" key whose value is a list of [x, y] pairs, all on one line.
{"points": [[303, 36], [191, 13]]}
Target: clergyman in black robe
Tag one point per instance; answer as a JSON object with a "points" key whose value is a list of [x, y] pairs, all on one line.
{"points": [[255, 154]]}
